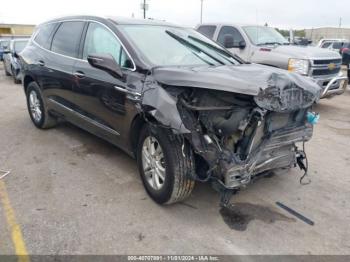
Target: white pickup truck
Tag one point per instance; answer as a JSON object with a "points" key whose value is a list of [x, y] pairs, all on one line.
{"points": [[264, 45]]}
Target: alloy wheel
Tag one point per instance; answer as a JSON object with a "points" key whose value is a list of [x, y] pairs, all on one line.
{"points": [[35, 106], [153, 163]]}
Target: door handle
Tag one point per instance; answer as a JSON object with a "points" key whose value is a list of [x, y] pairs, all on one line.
{"points": [[79, 74], [41, 63]]}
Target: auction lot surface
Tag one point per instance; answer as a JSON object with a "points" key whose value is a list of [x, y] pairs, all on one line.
{"points": [[71, 193]]}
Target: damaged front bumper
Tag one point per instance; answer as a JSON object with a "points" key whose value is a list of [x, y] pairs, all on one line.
{"points": [[276, 151]]}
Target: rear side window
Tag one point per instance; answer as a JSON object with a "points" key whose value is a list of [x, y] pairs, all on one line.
{"points": [[229, 30], [43, 35], [207, 30], [67, 38], [100, 40]]}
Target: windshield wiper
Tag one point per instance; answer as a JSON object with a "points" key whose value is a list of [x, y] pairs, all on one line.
{"points": [[192, 46], [220, 51]]}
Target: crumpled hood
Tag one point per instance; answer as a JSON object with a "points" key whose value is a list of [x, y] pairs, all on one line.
{"points": [[246, 79], [267, 84], [305, 52]]}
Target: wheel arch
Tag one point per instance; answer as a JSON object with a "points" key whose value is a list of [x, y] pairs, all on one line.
{"points": [[26, 81], [136, 126]]}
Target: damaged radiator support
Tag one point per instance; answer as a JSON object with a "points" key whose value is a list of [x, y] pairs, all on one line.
{"points": [[235, 137]]}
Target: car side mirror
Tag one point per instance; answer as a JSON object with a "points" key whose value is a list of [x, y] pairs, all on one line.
{"points": [[228, 41], [106, 63], [242, 44]]}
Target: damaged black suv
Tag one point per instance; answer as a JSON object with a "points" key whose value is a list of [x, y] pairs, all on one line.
{"points": [[182, 105]]}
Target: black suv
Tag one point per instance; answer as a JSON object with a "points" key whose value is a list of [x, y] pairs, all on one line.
{"points": [[186, 108]]}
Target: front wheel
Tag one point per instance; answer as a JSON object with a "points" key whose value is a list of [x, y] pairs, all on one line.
{"points": [[165, 165]]}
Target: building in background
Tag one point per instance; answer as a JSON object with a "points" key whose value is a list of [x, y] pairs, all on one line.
{"points": [[15, 30], [316, 34]]}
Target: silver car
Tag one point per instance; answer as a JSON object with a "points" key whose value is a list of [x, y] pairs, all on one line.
{"points": [[12, 65]]}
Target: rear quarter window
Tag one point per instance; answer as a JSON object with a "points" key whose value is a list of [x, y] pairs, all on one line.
{"points": [[207, 30]]}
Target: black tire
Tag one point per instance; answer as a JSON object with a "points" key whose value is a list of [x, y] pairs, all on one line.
{"points": [[178, 184], [15, 80], [46, 120]]}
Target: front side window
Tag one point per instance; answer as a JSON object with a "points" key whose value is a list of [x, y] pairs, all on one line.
{"points": [[263, 35], [67, 38], [100, 40], [207, 30], [43, 35], [229, 30], [167, 46], [326, 44]]}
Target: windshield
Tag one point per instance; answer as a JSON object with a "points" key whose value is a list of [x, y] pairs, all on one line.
{"points": [[263, 35], [170, 46], [19, 46]]}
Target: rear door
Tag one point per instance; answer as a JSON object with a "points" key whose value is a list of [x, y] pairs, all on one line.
{"points": [[56, 77], [104, 107]]}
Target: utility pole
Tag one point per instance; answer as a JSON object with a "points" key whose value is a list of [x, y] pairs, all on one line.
{"points": [[201, 11], [144, 7], [339, 31]]}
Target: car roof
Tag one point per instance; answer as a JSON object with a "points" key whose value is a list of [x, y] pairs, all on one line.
{"points": [[334, 40], [114, 19], [229, 24]]}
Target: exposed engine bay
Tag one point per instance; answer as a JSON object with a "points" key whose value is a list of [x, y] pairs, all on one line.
{"points": [[236, 136]]}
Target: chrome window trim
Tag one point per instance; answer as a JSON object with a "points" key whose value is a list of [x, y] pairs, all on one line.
{"points": [[78, 59]]}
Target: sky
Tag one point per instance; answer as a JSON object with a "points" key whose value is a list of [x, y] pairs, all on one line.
{"points": [[286, 14]]}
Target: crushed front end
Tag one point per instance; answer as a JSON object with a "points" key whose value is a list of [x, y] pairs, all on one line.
{"points": [[235, 136]]}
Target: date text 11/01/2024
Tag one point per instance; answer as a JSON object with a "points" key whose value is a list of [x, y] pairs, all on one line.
{"points": [[173, 258]]}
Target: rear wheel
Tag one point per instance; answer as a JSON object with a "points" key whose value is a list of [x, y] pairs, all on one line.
{"points": [[37, 108], [164, 165]]}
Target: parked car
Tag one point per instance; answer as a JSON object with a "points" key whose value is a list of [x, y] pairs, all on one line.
{"points": [[12, 64], [264, 45], [3, 46], [183, 106], [327, 42], [301, 41]]}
